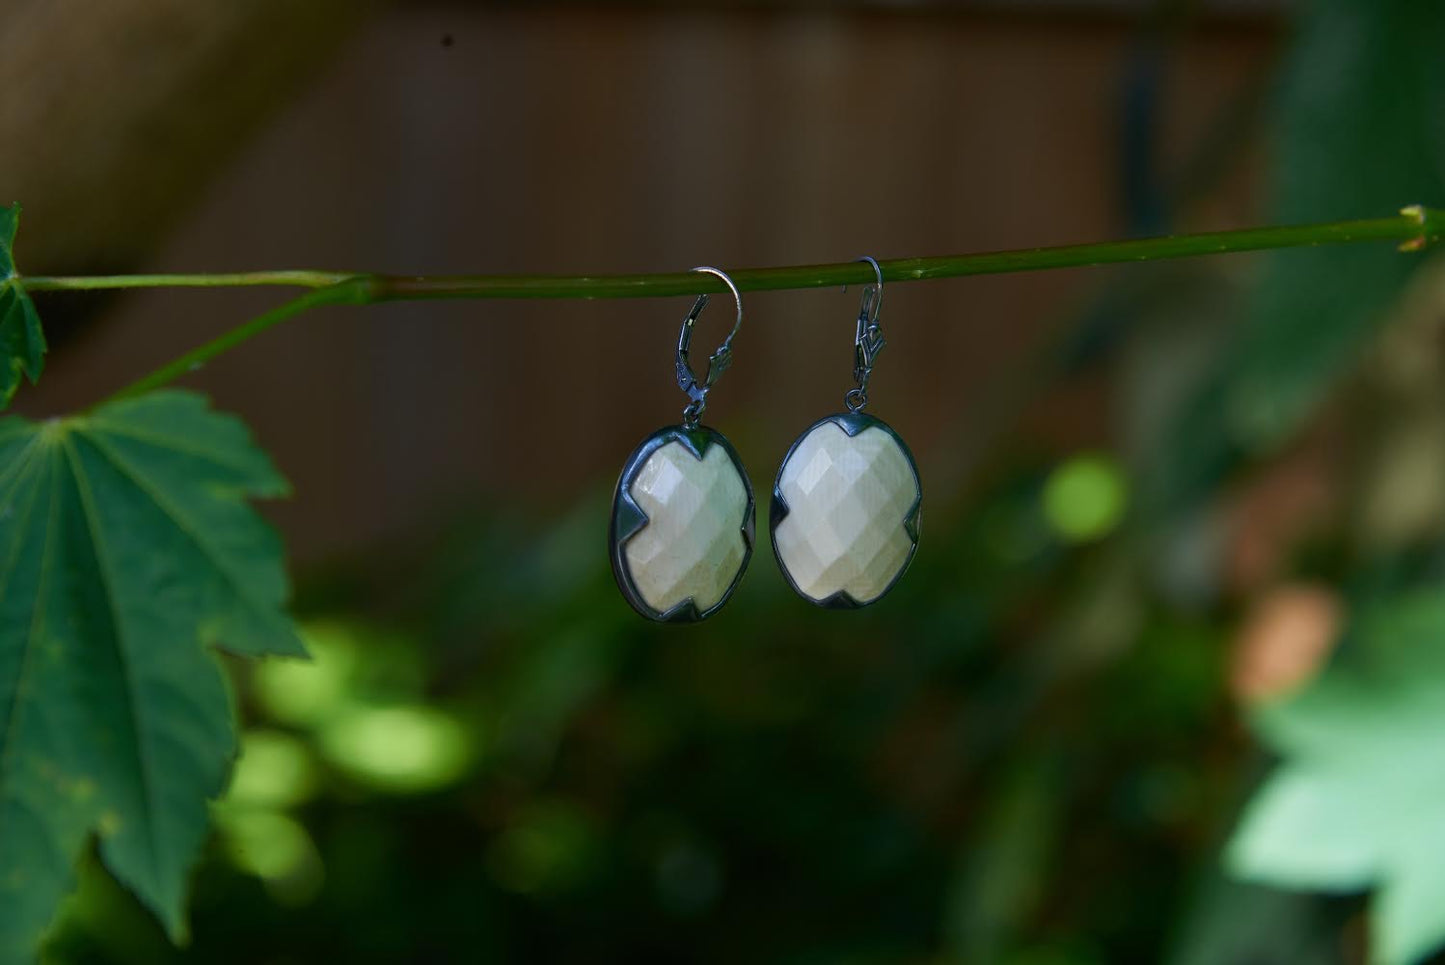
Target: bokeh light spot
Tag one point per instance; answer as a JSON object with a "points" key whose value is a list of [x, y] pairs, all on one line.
{"points": [[307, 691], [274, 770], [275, 848], [404, 749], [1085, 497]]}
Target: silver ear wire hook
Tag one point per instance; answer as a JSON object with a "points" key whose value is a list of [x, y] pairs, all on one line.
{"points": [[867, 340], [717, 362]]}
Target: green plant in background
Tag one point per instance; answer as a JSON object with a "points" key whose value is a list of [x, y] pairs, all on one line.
{"points": [[1356, 806], [1352, 808], [127, 549]]}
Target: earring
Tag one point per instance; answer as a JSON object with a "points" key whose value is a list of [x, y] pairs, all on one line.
{"points": [[845, 511], [682, 515]]}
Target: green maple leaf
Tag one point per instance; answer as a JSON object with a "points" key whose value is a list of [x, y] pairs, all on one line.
{"points": [[1358, 802], [126, 546], [22, 342]]}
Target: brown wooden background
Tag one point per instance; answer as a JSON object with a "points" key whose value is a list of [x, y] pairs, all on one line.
{"points": [[559, 139]]}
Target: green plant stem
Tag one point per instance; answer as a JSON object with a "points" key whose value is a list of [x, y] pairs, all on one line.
{"points": [[351, 291], [240, 279], [1413, 228]]}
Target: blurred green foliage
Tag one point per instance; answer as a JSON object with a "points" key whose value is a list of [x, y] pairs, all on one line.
{"points": [[884, 785], [1358, 805], [1357, 129]]}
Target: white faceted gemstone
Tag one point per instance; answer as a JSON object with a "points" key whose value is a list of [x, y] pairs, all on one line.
{"points": [[847, 498], [692, 544]]}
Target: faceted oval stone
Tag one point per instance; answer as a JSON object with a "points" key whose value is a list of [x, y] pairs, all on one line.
{"points": [[682, 524], [845, 511]]}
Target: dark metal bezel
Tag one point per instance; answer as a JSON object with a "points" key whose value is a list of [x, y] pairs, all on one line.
{"points": [[628, 519], [852, 423]]}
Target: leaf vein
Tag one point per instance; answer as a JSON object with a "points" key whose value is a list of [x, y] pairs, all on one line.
{"points": [[87, 497], [12, 713], [240, 586], [166, 442]]}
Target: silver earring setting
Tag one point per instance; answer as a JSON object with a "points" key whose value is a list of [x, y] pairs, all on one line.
{"points": [[847, 499]]}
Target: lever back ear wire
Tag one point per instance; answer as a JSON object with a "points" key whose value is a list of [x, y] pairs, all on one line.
{"points": [[868, 340], [717, 362]]}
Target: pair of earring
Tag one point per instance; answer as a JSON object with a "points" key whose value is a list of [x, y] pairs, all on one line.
{"points": [[845, 506]]}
